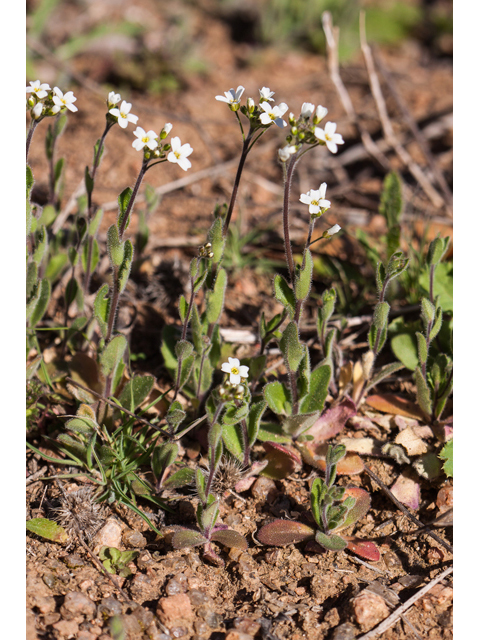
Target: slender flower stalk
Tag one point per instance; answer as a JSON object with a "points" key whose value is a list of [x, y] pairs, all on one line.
{"points": [[31, 131]]}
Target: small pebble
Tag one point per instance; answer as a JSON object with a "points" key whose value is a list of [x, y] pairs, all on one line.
{"points": [[178, 584], [246, 625], [345, 631], [77, 603], [197, 597], [73, 561], [134, 539], [110, 535], [369, 609], [238, 635], [264, 489], [109, 607]]}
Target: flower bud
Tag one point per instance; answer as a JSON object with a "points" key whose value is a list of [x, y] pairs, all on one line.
{"points": [[113, 99], [250, 105], [166, 130], [332, 231], [37, 110], [320, 113], [307, 109]]}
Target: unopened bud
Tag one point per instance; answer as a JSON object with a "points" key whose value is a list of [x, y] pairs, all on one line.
{"points": [[320, 113], [166, 130], [332, 231]]}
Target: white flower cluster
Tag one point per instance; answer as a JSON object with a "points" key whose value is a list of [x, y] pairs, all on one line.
{"points": [[271, 114], [44, 101]]}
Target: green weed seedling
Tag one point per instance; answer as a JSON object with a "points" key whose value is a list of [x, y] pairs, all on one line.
{"points": [[333, 509], [116, 562]]}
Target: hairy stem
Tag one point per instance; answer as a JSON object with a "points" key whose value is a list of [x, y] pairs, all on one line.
{"points": [[233, 198]]}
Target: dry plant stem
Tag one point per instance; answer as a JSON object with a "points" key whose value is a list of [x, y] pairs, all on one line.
{"points": [[404, 156], [331, 36], [404, 510], [31, 130], [390, 621], [417, 132]]}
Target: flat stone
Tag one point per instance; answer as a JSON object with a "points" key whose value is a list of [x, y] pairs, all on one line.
{"points": [[175, 611]]}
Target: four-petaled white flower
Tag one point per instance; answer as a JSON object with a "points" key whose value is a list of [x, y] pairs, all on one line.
{"points": [[332, 231], [123, 114], [113, 98], [235, 369], [320, 113], [285, 152], [273, 114], [307, 109], [231, 97], [37, 110], [315, 198], [144, 139], [40, 90], [179, 153], [266, 94], [329, 136], [66, 100]]}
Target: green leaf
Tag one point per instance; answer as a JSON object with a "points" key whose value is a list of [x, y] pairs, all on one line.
{"points": [[180, 478], [135, 391], [319, 381], [123, 202], [317, 495], [163, 456], [41, 304], [183, 308], [215, 298], [112, 355], [32, 279], [82, 425], [58, 171], [436, 250], [303, 277], [422, 347], [200, 484], [115, 248], [295, 425], [101, 308], [216, 238], [257, 409], [447, 454], [404, 346], [442, 284], [291, 347], [276, 396], [47, 529], [30, 180], [284, 294], [183, 349], [126, 266], [55, 266], [233, 440], [184, 539], [331, 543], [234, 414], [279, 533], [95, 257], [385, 372], [89, 182], [41, 247], [270, 431], [423, 393], [304, 375], [95, 223]]}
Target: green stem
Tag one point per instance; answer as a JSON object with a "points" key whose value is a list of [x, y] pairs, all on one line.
{"points": [[31, 130], [241, 164]]}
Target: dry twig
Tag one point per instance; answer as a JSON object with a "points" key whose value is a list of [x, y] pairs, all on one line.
{"points": [[398, 613], [402, 153]]}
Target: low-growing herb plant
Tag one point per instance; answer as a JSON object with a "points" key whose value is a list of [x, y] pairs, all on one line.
{"points": [[333, 509]]}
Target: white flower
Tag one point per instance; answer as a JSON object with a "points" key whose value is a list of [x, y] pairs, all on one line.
{"points": [[307, 109], [232, 97], [332, 231], [320, 113], [53, 110], [40, 90], [235, 369], [315, 198], [273, 114], [287, 151], [123, 114], [66, 100], [166, 129], [266, 94], [113, 98], [329, 136], [37, 110], [144, 139], [179, 153]]}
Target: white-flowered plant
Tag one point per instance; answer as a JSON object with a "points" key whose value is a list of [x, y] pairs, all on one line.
{"points": [[236, 370], [285, 152], [315, 198], [166, 130], [232, 97], [307, 109], [39, 89], [64, 100], [144, 139], [123, 114], [37, 110], [320, 113], [266, 95], [179, 153], [329, 136], [332, 231], [273, 114], [113, 99]]}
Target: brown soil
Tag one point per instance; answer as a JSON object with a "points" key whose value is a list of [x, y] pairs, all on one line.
{"points": [[269, 593]]}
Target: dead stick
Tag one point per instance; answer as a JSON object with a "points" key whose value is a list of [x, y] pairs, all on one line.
{"points": [[404, 510], [414, 128], [331, 36], [390, 621], [402, 153]]}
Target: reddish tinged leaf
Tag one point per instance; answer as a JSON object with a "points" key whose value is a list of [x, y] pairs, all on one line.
{"points": [[314, 455], [230, 538], [47, 529], [363, 548], [406, 489], [282, 532], [397, 405], [332, 421], [360, 508], [281, 460], [187, 538]]}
